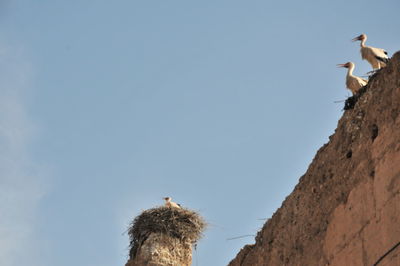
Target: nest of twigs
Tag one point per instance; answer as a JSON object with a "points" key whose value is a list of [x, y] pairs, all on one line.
{"points": [[352, 100], [183, 224]]}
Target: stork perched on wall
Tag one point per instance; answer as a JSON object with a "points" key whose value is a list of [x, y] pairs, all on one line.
{"points": [[170, 204], [353, 83], [377, 57]]}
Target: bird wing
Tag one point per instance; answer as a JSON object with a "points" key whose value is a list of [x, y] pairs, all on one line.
{"points": [[354, 83], [378, 52], [362, 82], [175, 205], [382, 59], [374, 55]]}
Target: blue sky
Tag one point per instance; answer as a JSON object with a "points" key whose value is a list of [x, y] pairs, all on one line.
{"points": [[108, 107]]}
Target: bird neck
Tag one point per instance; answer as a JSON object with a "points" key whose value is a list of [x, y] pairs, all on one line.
{"points": [[350, 71], [362, 44]]}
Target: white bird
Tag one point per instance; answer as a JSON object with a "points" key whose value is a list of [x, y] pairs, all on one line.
{"points": [[353, 83], [377, 57], [170, 204]]}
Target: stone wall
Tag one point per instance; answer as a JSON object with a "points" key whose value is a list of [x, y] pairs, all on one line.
{"points": [[345, 210]]}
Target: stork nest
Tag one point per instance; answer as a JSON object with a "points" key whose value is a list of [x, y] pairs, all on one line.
{"points": [[352, 100], [182, 223]]}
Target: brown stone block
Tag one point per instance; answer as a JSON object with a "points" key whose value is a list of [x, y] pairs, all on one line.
{"points": [[349, 219], [352, 254], [383, 232], [387, 178]]}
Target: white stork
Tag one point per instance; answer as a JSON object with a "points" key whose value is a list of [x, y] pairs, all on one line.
{"points": [[377, 57], [170, 204], [353, 83]]}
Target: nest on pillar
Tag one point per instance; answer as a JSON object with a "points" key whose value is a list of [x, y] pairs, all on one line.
{"points": [[164, 233]]}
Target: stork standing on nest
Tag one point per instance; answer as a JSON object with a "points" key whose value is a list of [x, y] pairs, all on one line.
{"points": [[353, 83], [170, 204], [377, 57]]}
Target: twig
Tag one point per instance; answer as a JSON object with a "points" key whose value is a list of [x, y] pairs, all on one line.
{"points": [[243, 236], [340, 101]]}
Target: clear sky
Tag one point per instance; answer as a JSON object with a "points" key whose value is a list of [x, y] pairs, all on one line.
{"points": [[108, 106]]}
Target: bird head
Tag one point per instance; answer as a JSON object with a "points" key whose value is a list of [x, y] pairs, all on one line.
{"points": [[347, 65], [360, 38], [167, 199]]}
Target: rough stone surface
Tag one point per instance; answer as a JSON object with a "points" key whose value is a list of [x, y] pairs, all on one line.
{"points": [[162, 250], [345, 210]]}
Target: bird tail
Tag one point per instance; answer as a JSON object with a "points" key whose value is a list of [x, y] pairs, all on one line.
{"points": [[384, 60]]}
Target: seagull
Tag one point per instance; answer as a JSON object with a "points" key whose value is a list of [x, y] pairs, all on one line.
{"points": [[170, 204], [353, 83], [377, 57]]}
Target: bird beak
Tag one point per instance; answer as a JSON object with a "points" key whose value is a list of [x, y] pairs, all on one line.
{"points": [[358, 38], [341, 65]]}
